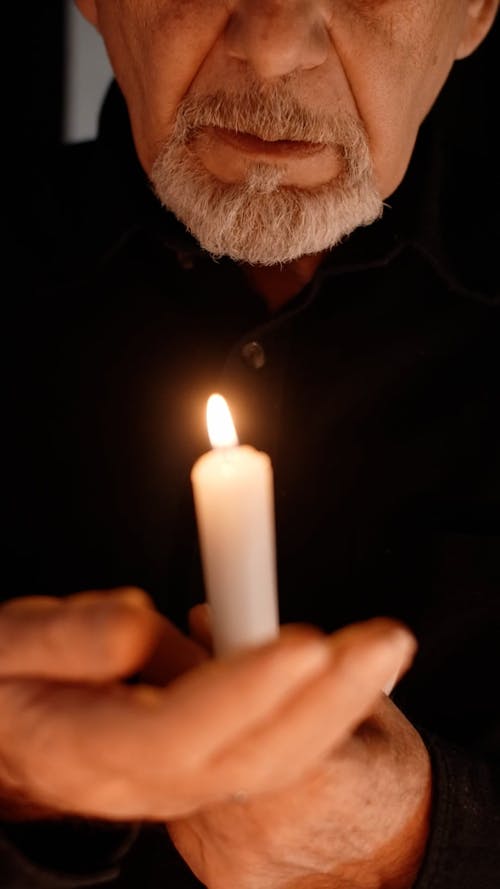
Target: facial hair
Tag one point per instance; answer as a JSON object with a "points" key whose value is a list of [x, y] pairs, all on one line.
{"points": [[261, 220]]}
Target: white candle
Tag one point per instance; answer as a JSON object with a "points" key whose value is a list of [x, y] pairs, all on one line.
{"points": [[234, 503]]}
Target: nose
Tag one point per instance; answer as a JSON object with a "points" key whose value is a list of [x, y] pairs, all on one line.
{"points": [[278, 37]]}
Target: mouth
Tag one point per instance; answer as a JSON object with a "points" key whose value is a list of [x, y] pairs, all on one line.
{"points": [[278, 148]]}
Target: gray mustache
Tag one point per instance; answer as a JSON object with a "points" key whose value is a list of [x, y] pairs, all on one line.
{"points": [[271, 116]]}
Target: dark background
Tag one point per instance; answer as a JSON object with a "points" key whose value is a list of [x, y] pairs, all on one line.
{"points": [[36, 34]]}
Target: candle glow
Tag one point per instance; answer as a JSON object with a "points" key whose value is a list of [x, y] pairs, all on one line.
{"points": [[221, 431]]}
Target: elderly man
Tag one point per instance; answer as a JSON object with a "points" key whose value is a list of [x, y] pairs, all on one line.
{"points": [[291, 202]]}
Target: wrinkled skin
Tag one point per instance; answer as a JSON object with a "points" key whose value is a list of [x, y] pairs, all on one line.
{"points": [[359, 819], [383, 60]]}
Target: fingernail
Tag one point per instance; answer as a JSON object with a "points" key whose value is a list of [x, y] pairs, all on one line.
{"points": [[132, 596], [391, 684], [404, 642], [402, 646], [308, 655]]}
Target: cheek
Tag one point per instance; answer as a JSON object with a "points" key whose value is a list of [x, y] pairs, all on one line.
{"points": [[396, 61], [156, 51]]}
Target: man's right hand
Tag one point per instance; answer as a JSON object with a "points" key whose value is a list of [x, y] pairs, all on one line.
{"points": [[75, 739]]}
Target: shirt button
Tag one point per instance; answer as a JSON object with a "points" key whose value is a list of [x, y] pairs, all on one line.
{"points": [[253, 355]]}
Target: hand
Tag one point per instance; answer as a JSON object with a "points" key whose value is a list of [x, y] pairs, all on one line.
{"points": [[357, 820], [75, 739]]}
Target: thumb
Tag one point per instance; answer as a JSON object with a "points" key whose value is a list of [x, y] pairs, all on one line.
{"points": [[173, 655]]}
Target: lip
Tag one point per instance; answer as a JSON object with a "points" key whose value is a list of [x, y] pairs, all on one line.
{"points": [[281, 148]]}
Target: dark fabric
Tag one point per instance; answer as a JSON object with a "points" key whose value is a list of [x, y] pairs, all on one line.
{"points": [[378, 402], [464, 848], [60, 855]]}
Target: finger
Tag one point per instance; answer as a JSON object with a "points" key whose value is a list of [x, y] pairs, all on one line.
{"points": [[134, 751], [173, 655], [200, 625], [91, 636], [229, 695], [322, 714]]}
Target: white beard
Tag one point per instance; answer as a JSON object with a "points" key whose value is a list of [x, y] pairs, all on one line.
{"points": [[259, 220]]}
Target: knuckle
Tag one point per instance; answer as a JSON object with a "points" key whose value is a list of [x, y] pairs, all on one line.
{"points": [[127, 638]]}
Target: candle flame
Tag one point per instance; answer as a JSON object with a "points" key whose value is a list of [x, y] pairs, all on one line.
{"points": [[221, 431]]}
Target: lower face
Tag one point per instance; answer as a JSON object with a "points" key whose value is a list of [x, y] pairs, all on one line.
{"points": [[222, 143], [259, 178]]}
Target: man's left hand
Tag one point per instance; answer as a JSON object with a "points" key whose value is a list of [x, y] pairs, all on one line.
{"points": [[358, 821]]}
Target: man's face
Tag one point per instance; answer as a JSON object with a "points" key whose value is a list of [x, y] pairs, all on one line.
{"points": [[281, 100]]}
